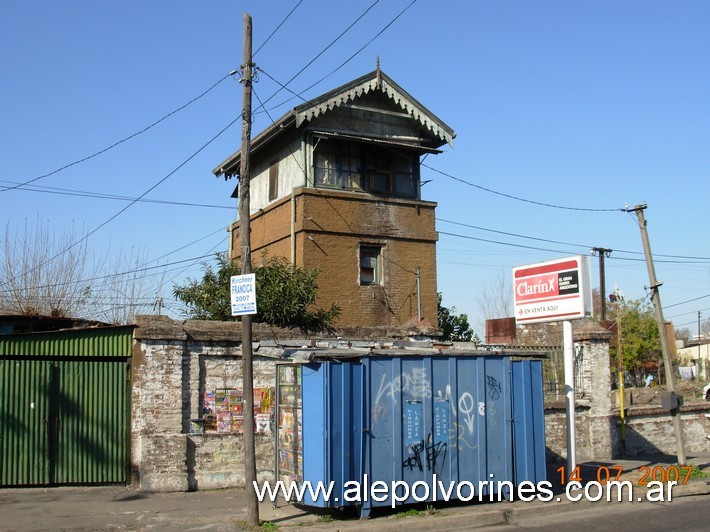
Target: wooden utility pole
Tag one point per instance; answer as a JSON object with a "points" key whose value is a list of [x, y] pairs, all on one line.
{"points": [[245, 243], [665, 348], [603, 252]]}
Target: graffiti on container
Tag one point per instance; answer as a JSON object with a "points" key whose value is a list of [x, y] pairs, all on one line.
{"points": [[414, 384], [468, 411], [464, 429], [458, 431], [494, 389], [432, 453]]}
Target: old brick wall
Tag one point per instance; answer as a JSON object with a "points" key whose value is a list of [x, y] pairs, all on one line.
{"points": [[330, 225], [649, 430], [175, 363], [595, 430], [173, 366]]}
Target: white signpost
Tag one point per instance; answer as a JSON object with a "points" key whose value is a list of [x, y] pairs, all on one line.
{"points": [[243, 294], [559, 290]]}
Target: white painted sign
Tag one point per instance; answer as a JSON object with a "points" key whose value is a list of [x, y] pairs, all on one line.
{"points": [[552, 291], [243, 294]]}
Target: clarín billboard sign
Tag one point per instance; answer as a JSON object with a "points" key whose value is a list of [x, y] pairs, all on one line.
{"points": [[552, 291]]}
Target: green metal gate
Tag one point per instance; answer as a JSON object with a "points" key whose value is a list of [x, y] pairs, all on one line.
{"points": [[65, 407]]}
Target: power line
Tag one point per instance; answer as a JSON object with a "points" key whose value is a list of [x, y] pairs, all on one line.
{"points": [[517, 198], [686, 313], [368, 43], [84, 159], [578, 245], [501, 243], [98, 195], [277, 28], [342, 34], [687, 301], [133, 202], [111, 275]]}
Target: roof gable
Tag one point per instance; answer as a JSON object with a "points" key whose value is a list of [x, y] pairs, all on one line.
{"points": [[376, 82]]}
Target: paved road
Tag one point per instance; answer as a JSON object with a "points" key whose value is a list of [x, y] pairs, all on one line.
{"points": [[121, 508], [686, 513]]}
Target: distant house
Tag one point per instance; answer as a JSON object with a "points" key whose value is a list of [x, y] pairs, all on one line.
{"points": [[335, 185]]}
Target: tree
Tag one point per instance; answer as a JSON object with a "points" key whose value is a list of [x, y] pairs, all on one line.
{"points": [[495, 300], [43, 273], [129, 291], [683, 334], [455, 328], [640, 340], [285, 294]]}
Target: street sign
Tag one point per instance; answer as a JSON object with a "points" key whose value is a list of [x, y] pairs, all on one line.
{"points": [[243, 294], [552, 291]]}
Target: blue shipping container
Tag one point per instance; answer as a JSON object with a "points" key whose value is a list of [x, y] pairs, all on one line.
{"points": [[419, 423]]}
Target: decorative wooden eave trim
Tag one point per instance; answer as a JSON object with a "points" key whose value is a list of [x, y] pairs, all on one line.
{"points": [[376, 81]]}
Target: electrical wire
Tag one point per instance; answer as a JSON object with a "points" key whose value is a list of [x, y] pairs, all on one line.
{"points": [[368, 43], [104, 150], [130, 204], [686, 301], [277, 28], [98, 195], [112, 275], [517, 198], [342, 34]]}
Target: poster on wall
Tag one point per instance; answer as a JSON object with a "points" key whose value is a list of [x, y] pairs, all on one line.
{"points": [[223, 410], [289, 435]]}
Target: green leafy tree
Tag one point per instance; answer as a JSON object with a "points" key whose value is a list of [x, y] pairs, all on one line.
{"points": [[455, 328], [285, 294], [640, 340]]}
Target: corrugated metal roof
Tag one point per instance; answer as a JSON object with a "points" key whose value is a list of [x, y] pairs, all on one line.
{"points": [[114, 341], [373, 140]]}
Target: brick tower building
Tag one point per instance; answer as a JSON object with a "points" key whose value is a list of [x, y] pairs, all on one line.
{"points": [[335, 185]]}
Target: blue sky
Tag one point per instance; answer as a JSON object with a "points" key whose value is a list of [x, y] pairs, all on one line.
{"points": [[583, 105]]}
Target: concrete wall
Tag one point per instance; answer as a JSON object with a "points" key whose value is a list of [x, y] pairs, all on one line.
{"points": [[649, 430]]}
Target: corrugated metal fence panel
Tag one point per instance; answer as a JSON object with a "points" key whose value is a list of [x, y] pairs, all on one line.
{"points": [[100, 341], [65, 407], [528, 421], [91, 443], [24, 437]]}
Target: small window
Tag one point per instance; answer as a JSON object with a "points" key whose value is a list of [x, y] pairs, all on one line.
{"points": [[370, 265], [273, 180], [381, 183]]}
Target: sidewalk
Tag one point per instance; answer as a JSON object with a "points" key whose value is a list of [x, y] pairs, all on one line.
{"points": [[125, 508]]}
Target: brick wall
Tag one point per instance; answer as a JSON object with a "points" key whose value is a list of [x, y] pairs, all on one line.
{"points": [[330, 226], [173, 366], [174, 363]]}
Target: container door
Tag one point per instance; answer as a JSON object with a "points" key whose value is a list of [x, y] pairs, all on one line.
{"points": [[24, 422], [528, 421]]}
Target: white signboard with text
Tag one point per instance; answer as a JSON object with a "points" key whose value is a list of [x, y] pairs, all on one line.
{"points": [[552, 291], [243, 294]]}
